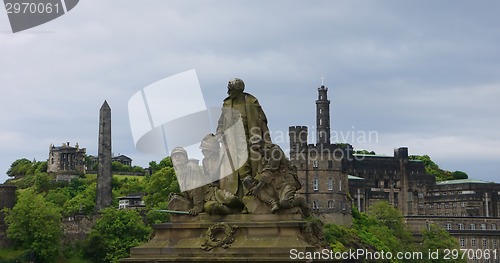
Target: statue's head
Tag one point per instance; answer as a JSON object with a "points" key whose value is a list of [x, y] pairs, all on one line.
{"points": [[178, 156], [235, 87], [209, 144]]}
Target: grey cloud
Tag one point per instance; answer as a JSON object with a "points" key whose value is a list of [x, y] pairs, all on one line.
{"points": [[413, 71]]}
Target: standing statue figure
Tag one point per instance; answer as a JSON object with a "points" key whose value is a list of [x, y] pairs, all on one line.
{"points": [[240, 107], [216, 201], [276, 183], [187, 172]]}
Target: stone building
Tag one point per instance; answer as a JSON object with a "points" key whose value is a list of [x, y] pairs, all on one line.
{"points": [[7, 200], [480, 235], [321, 167], [334, 178], [332, 172], [466, 198], [132, 201], [123, 159], [92, 161], [395, 179], [66, 159]]}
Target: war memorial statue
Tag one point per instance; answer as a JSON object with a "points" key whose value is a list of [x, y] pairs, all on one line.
{"points": [[248, 211]]}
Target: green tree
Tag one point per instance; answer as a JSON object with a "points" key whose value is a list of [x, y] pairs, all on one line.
{"points": [[160, 184], [364, 152], [58, 196], [131, 186], [19, 167], [37, 167], [459, 175], [114, 234], [432, 168], [391, 217], [35, 224], [436, 238], [83, 201], [42, 182], [119, 167], [165, 162]]}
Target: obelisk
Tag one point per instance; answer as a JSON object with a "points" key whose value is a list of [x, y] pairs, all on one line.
{"points": [[104, 175]]}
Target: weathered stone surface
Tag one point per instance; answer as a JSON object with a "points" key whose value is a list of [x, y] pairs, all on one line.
{"points": [[231, 238], [104, 176]]}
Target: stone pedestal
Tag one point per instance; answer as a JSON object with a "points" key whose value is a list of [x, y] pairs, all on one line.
{"points": [[231, 238]]}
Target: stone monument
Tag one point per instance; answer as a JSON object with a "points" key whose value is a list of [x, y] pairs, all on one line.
{"points": [[104, 175], [248, 211]]}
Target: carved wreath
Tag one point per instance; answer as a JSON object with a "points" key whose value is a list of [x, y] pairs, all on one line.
{"points": [[213, 236]]}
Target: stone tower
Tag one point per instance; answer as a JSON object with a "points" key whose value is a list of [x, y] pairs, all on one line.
{"points": [[104, 176], [321, 167], [322, 116]]}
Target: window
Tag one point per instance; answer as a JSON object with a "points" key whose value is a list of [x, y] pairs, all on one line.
{"points": [[448, 226], [463, 204], [330, 204], [472, 226], [493, 226], [315, 184], [315, 164], [340, 185], [473, 242], [494, 243], [462, 242], [315, 204], [330, 184], [330, 164], [483, 226], [461, 226], [485, 243]]}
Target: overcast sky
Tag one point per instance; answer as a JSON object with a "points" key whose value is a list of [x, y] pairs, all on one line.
{"points": [[421, 74]]}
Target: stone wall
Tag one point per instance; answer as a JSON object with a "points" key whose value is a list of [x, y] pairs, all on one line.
{"points": [[76, 228], [7, 200], [471, 232]]}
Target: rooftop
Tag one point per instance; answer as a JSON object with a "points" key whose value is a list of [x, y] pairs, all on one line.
{"points": [[463, 181]]}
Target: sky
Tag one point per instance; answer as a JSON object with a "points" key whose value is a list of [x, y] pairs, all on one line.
{"points": [[418, 74]]}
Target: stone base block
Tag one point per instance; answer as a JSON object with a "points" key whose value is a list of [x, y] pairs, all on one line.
{"points": [[231, 238]]}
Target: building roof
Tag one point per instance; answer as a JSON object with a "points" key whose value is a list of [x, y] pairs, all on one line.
{"points": [[463, 181], [352, 177], [372, 155], [121, 156], [131, 197]]}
